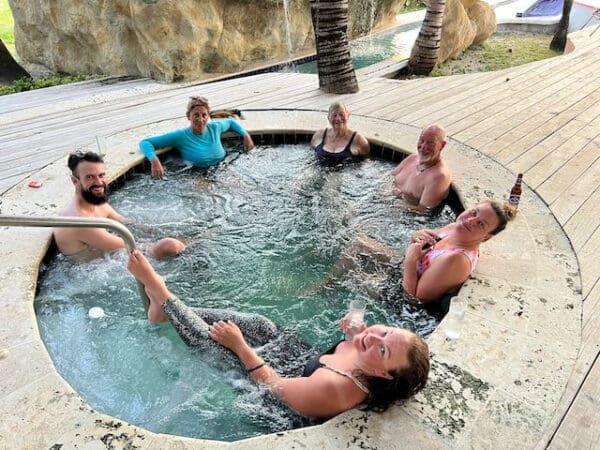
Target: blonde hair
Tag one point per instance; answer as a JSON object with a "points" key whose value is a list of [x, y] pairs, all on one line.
{"points": [[196, 101], [505, 212], [338, 106]]}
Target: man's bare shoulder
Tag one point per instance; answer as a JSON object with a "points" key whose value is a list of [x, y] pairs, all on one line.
{"points": [[441, 172], [101, 211], [407, 162], [410, 159], [70, 209]]}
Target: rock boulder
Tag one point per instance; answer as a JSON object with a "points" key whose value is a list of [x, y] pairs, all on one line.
{"points": [[172, 40], [466, 22]]}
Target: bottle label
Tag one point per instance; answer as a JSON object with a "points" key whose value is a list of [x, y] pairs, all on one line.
{"points": [[514, 200]]}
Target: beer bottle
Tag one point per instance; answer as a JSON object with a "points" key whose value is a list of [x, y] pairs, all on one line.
{"points": [[515, 192]]}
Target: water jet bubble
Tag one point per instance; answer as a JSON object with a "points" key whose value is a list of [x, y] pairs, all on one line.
{"points": [[96, 312]]}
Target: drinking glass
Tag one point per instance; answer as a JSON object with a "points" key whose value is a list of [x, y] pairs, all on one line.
{"points": [[456, 316], [356, 314]]}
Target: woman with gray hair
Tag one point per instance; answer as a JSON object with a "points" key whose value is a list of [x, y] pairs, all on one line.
{"points": [[339, 143], [200, 143]]}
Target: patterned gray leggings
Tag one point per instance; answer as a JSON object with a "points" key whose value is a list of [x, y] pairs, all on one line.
{"points": [[285, 351]]}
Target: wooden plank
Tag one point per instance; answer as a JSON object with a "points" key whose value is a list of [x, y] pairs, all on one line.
{"points": [[517, 154], [167, 100], [581, 172], [591, 307], [416, 94], [570, 427], [580, 224], [549, 156], [522, 105], [518, 126], [163, 106], [505, 102], [490, 92], [587, 255]]}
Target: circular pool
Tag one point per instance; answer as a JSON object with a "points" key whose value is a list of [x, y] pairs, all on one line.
{"points": [[262, 231]]}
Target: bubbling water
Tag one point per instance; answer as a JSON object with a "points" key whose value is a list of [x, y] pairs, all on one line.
{"points": [[261, 232]]}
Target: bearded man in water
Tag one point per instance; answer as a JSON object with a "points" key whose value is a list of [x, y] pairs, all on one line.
{"points": [[88, 175]]}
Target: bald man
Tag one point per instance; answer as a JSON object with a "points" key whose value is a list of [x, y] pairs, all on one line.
{"points": [[423, 179]]}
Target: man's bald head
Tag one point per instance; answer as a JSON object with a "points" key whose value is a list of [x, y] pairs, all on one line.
{"points": [[437, 130]]}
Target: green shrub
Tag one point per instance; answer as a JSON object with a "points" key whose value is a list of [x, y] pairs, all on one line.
{"points": [[412, 5], [28, 84], [7, 25]]}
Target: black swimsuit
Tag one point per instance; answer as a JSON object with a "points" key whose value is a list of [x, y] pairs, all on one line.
{"points": [[313, 364], [334, 158]]}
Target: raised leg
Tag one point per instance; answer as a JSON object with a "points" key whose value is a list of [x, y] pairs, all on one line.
{"points": [[153, 283]]}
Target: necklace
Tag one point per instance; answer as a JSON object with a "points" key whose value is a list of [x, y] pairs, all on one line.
{"points": [[420, 171]]}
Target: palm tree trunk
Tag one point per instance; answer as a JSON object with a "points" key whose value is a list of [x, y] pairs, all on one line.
{"points": [[10, 70], [424, 54], [334, 63], [559, 41]]}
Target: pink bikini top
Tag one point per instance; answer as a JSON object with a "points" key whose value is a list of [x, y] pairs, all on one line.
{"points": [[428, 258]]}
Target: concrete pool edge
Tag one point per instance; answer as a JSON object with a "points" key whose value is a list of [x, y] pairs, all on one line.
{"points": [[497, 385]]}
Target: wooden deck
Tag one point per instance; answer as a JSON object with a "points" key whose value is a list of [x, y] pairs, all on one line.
{"points": [[542, 119]]}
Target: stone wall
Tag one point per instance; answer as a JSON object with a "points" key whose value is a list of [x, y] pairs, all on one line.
{"points": [[172, 39]]}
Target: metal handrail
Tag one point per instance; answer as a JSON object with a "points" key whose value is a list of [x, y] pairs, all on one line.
{"points": [[78, 222]]}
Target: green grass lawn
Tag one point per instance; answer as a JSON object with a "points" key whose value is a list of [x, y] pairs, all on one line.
{"points": [[500, 51], [8, 37], [7, 33]]}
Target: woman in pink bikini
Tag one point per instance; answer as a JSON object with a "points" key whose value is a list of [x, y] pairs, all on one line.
{"points": [[439, 262], [435, 262]]}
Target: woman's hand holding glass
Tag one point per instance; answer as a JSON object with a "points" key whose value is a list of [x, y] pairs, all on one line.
{"points": [[353, 322]]}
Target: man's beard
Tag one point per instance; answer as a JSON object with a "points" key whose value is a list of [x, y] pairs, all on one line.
{"points": [[431, 159], [95, 199]]}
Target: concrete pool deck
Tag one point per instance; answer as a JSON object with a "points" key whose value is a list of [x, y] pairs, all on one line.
{"points": [[499, 385]]}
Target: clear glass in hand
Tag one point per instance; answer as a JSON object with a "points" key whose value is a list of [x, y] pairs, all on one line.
{"points": [[356, 314]]}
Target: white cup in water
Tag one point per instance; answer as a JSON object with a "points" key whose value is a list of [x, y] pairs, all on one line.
{"points": [[96, 312], [356, 314], [455, 317]]}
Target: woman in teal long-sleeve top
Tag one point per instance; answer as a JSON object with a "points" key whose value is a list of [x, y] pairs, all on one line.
{"points": [[200, 143]]}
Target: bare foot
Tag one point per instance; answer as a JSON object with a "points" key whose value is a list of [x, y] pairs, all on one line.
{"points": [[139, 266]]}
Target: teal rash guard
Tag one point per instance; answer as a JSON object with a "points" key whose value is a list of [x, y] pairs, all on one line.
{"points": [[200, 150]]}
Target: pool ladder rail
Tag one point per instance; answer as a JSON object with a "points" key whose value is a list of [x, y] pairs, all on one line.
{"points": [[78, 222]]}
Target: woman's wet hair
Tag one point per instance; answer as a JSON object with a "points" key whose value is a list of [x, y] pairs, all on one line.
{"points": [[196, 101], [406, 381], [505, 212], [78, 156]]}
